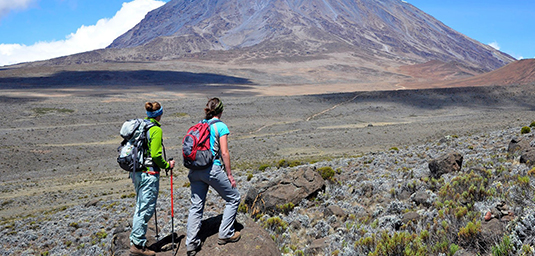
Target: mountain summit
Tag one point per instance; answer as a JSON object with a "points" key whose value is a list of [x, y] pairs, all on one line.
{"points": [[377, 29]]}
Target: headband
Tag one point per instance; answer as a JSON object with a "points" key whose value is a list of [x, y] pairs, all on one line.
{"points": [[153, 114], [219, 108]]}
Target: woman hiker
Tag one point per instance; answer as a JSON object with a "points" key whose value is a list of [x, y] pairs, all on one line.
{"points": [[147, 183], [219, 177]]}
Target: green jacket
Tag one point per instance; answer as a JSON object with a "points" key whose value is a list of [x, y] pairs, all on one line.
{"points": [[156, 145]]}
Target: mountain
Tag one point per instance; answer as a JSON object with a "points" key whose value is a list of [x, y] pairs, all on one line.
{"points": [[370, 29]]}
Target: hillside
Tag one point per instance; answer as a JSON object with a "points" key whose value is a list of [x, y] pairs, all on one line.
{"points": [[520, 72], [371, 29]]}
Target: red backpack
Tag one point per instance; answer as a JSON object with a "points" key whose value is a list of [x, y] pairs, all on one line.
{"points": [[196, 146]]}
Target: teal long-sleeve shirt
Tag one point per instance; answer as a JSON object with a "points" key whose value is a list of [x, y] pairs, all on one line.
{"points": [[156, 145]]}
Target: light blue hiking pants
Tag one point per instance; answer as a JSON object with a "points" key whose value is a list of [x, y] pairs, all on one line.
{"points": [[200, 181], [147, 187]]}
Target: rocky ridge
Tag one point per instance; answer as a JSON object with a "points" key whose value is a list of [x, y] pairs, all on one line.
{"points": [[371, 199]]}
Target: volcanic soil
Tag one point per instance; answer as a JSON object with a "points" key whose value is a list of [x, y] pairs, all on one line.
{"points": [[59, 146]]}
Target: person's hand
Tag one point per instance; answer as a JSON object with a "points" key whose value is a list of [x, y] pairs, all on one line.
{"points": [[232, 181], [171, 164]]}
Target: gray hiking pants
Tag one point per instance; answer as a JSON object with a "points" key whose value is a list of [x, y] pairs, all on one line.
{"points": [[200, 181]]}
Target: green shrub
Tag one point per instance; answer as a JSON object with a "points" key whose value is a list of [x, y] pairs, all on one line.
{"points": [[131, 195], [532, 124], [294, 163], [469, 233], [327, 173], [282, 163], [525, 130], [242, 208], [249, 176], [399, 244], [276, 224], [505, 248], [299, 253], [286, 208], [263, 167]]}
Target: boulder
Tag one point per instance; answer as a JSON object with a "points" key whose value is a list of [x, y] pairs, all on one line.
{"points": [[517, 146], [447, 163], [491, 232], [335, 210], [317, 246], [424, 198], [528, 156], [410, 217], [304, 183], [254, 240]]}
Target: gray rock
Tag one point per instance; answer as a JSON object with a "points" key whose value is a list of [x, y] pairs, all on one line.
{"points": [[317, 247], [447, 163], [410, 217], [292, 188], [517, 146], [335, 210], [528, 157]]}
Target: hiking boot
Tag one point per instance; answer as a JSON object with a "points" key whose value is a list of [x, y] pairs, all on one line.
{"points": [[235, 238], [191, 253], [141, 251]]}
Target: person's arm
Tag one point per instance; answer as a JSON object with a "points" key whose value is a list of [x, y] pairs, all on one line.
{"points": [[225, 156]]}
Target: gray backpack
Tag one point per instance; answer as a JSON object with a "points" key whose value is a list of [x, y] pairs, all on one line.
{"points": [[133, 149]]}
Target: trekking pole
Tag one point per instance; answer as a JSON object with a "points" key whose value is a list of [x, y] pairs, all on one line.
{"points": [[172, 212], [156, 223]]}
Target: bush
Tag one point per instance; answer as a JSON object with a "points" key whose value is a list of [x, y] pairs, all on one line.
{"points": [[294, 163], [282, 163], [399, 244], [525, 130], [263, 167], [276, 224], [327, 173], [505, 248], [242, 208], [532, 124], [470, 231], [286, 208]]}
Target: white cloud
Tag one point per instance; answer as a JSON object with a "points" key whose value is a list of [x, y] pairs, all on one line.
{"points": [[495, 45], [8, 5], [86, 38]]}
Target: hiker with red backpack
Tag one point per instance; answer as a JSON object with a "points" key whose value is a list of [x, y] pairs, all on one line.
{"points": [[147, 181], [213, 171]]}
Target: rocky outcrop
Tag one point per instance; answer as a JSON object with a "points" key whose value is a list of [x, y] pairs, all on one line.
{"points": [[254, 240], [292, 188], [448, 163], [517, 146]]}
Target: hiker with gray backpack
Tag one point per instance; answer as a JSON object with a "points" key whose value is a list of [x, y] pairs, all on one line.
{"points": [[206, 154], [142, 154]]}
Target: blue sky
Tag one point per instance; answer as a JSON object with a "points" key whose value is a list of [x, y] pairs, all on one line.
{"points": [[41, 29]]}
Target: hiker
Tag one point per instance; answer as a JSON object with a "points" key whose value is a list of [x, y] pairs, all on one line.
{"points": [[147, 182], [219, 177]]}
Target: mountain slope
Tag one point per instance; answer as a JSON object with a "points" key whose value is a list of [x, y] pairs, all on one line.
{"points": [[389, 29]]}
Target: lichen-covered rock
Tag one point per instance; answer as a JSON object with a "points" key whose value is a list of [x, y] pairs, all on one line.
{"points": [[528, 156], [291, 188], [516, 146], [447, 163]]}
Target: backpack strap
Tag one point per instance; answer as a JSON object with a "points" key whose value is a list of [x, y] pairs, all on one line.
{"points": [[217, 149]]}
